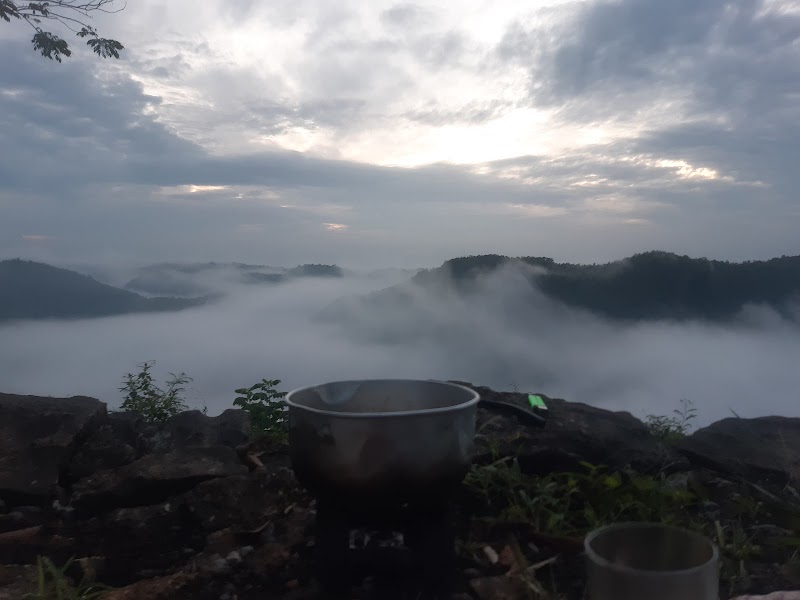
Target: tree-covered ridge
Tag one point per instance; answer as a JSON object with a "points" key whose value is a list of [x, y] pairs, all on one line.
{"points": [[32, 290], [648, 285]]}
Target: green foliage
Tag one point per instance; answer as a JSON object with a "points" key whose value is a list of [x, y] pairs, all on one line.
{"points": [[146, 398], [670, 429], [268, 415], [573, 503], [68, 13], [53, 583]]}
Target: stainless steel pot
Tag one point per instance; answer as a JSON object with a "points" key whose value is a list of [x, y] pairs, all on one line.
{"points": [[382, 441]]}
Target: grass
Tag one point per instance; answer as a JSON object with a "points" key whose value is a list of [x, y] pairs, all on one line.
{"points": [[53, 583], [573, 503], [568, 505]]}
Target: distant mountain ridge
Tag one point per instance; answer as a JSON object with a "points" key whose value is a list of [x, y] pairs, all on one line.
{"points": [[647, 285], [194, 279], [33, 290]]}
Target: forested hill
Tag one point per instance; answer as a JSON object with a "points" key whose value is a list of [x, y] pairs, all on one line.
{"points": [[648, 285], [32, 290]]}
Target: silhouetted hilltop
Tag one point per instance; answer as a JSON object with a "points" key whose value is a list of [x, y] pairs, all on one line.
{"points": [[32, 290], [648, 285]]}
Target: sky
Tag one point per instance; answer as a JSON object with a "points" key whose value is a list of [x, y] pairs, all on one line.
{"points": [[387, 133]]}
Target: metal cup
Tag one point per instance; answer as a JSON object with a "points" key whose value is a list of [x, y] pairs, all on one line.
{"points": [[650, 561]]}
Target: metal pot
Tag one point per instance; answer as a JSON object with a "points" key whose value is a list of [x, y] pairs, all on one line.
{"points": [[382, 441]]}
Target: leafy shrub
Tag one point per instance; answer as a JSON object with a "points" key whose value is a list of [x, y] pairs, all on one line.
{"points": [[146, 398], [670, 429], [268, 415], [573, 503]]}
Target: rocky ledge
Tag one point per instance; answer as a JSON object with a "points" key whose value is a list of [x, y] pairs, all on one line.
{"points": [[195, 508]]}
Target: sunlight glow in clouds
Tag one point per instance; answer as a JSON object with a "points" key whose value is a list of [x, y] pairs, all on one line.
{"points": [[335, 226], [260, 82], [192, 189]]}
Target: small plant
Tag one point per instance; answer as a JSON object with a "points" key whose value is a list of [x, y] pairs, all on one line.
{"points": [[737, 549], [268, 415], [573, 503], [53, 583], [146, 398], [670, 429]]}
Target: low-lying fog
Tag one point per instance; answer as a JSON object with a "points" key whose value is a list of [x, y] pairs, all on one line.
{"points": [[502, 334]]}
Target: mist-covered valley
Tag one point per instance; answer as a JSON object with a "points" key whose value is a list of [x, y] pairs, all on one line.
{"points": [[497, 329]]}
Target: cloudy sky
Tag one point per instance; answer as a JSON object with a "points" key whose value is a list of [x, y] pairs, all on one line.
{"points": [[385, 133]]}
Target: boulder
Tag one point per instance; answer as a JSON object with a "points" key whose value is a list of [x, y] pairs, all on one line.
{"points": [[22, 546], [193, 428], [177, 586], [104, 449], [17, 581], [154, 478], [187, 429], [573, 433], [38, 435], [764, 448], [127, 538], [241, 502]]}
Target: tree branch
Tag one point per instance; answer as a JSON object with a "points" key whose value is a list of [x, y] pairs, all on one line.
{"points": [[51, 46]]}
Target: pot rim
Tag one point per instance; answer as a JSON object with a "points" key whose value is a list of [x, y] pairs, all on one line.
{"points": [[475, 398], [606, 564]]}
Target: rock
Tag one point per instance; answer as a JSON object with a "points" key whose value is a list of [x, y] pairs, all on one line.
{"points": [[22, 546], [761, 448], [772, 596], [221, 542], [154, 478], [139, 540], [104, 449], [220, 566], [574, 432], [16, 520], [499, 588], [270, 557], [241, 502], [37, 438], [178, 586], [17, 581], [192, 428]]}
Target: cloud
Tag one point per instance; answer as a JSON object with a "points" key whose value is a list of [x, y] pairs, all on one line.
{"points": [[500, 332], [292, 119]]}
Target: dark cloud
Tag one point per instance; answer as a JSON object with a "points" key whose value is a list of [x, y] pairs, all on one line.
{"points": [[714, 84], [736, 65]]}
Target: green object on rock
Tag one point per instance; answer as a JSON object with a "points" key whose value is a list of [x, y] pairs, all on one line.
{"points": [[536, 401]]}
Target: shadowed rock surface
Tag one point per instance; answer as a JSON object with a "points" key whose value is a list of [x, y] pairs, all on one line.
{"points": [[573, 433], [38, 437], [764, 447], [193, 509]]}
